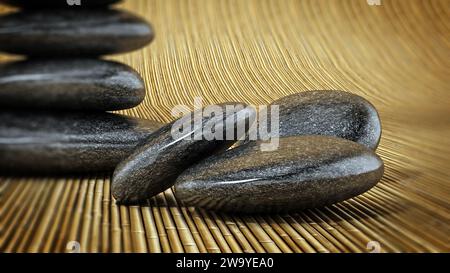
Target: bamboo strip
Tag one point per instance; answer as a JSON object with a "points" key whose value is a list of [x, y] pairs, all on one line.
{"points": [[137, 230], [10, 202], [164, 240], [256, 245], [410, 231], [106, 216], [422, 218], [10, 239], [194, 231], [208, 239], [185, 234], [299, 227], [150, 230], [42, 228], [57, 218], [333, 244], [363, 234], [278, 241], [125, 226], [116, 229], [96, 236], [62, 239], [327, 244], [233, 244], [344, 230], [215, 231], [86, 226], [38, 212], [174, 240], [10, 211], [240, 237], [331, 233]]}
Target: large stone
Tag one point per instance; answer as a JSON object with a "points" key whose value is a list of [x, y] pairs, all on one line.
{"points": [[85, 84], [59, 3], [66, 142], [155, 165], [332, 113], [304, 172], [72, 32]]}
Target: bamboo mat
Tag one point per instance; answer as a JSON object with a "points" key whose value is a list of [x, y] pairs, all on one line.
{"points": [[397, 55]]}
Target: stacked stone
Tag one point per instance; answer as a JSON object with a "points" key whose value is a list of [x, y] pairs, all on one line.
{"points": [[57, 122], [53, 104]]}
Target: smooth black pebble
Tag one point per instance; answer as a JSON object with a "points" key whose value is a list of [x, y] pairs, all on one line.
{"points": [[59, 3], [76, 84], [304, 172], [155, 164], [72, 32], [68, 142], [331, 113]]}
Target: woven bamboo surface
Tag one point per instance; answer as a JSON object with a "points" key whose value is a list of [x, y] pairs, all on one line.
{"points": [[397, 55]]}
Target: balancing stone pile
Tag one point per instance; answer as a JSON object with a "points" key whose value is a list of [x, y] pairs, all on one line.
{"points": [[53, 103], [56, 122]]}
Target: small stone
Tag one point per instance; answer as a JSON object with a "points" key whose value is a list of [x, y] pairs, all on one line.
{"points": [[304, 172], [72, 32], [332, 113], [68, 142], [59, 3], [76, 84], [155, 165]]}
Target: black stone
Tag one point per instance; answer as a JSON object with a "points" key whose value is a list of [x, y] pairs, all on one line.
{"points": [[72, 32], [304, 172], [155, 165], [67, 142], [59, 3], [77, 84], [332, 113]]}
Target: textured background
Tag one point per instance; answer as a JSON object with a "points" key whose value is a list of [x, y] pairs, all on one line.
{"points": [[396, 55]]}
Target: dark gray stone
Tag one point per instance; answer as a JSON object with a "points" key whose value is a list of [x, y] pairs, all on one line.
{"points": [[72, 32], [77, 84], [66, 142], [155, 165], [305, 172], [59, 3], [331, 113]]}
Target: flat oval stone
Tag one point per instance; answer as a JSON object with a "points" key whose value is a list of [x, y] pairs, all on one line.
{"points": [[77, 84], [332, 113], [155, 164], [304, 172], [68, 142], [72, 32], [59, 3]]}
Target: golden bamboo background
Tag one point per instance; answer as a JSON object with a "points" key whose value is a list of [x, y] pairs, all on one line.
{"points": [[397, 55]]}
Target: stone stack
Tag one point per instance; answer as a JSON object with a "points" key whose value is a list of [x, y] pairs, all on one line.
{"points": [[53, 103], [56, 122]]}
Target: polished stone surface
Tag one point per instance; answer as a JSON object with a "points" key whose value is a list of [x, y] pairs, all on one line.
{"points": [[77, 84], [305, 172], [333, 113], [59, 3], [155, 165], [66, 142], [72, 32]]}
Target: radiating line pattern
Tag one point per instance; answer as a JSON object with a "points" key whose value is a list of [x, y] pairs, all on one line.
{"points": [[397, 55]]}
